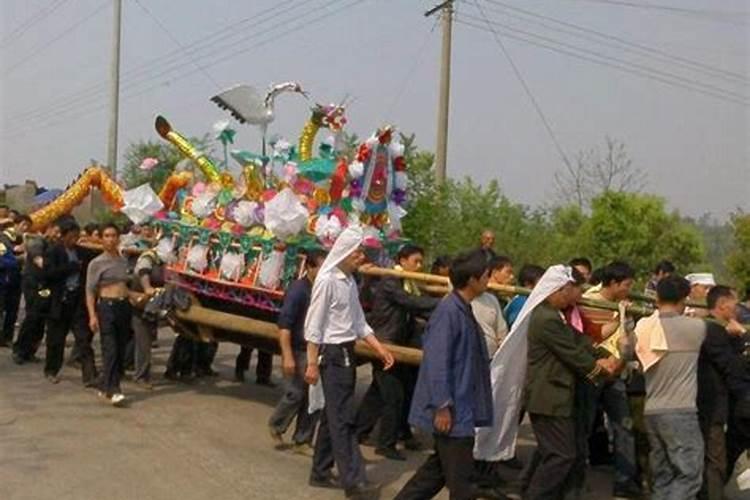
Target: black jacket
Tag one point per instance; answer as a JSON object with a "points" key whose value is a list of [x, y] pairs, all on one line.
{"points": [[722, 373], [394, 311], [57, 268]]}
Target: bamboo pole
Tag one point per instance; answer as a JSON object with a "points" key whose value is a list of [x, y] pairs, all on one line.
{"points": [[211, 318]]}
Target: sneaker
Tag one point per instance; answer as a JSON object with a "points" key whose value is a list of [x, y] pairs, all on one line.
{"points": [[117, 399], [329, 482]]}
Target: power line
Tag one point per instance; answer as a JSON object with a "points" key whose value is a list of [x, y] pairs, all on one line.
{"points": [[35, 18], [730, 17], [629, 45], [526, 88], [176, 41], [662, 75], [418, 57], [605, 62], [82, 97], [60, 36], [145, 69], [297, 27]]}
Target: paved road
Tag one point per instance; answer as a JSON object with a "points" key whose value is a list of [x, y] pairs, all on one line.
{"points": [[206, 440]]}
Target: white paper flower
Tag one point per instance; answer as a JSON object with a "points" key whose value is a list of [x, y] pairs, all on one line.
{"points": [[400, 180], [397, 149], [356, 169]]}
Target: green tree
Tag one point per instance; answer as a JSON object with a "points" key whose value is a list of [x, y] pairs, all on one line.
{"points": [[132, 176], [638, 229], [738, 261]]}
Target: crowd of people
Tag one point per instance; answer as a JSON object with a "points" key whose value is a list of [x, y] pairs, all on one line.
{"points": [[664, 399]]}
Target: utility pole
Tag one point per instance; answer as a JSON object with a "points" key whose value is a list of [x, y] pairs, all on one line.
{"points": [[441, 149], [114, 90]]}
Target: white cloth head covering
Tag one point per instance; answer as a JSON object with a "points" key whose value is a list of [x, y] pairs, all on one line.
{"points": [[348, 241], [508, 373], [701, 279]]}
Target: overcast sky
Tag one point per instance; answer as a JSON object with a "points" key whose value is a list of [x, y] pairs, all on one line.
{"points": [[694, 147]]}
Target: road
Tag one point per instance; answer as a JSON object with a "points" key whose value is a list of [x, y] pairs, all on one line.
{"points": [[205, 440]]}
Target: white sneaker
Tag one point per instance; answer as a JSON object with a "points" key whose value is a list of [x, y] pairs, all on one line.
{"points": [[117, 399]]}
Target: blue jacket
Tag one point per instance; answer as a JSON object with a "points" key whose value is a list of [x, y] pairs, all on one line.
{"points": [[454, 371]]}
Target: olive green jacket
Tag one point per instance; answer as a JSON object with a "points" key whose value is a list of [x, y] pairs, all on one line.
{"points": [[556, 357]]}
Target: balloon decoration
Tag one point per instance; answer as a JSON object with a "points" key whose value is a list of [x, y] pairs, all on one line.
{"points": [[186, 148], [76, 193]]}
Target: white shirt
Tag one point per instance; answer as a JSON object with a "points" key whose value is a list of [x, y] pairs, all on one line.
{"points": [[335, 314], [489, 315]]}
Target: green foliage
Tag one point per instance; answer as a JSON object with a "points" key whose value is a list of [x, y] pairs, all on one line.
{"points": [[637, 228], [630, 226], [738, 261], [132, 176]]}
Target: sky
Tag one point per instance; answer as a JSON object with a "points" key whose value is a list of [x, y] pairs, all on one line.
{"points": [[693, 143]]}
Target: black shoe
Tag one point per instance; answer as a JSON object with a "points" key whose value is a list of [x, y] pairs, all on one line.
{"points": [[239, 375], [18, 359], [364, 490], [329, 482], [170, 375], [4, 343], [413, 444], [390, 453], [206, 372]]}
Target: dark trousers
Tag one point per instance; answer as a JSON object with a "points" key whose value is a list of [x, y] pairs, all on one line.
{"points": [[10, 308], [337, 442], [262, 369], [181, 358], [114, 327], [144, 333], [205, 353], [386, 399], [549, 474], [294, 403], [714, 461], [72, 317], [32, 328], [450, 466]]}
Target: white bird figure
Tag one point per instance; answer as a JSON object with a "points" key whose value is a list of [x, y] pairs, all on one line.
{"points": [[246, 105]]}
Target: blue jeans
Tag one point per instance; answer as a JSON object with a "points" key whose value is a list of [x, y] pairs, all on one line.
{"points": [[676, 455]]}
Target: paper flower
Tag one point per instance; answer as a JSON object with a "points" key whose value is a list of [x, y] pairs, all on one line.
{"points": [[148, 164], [356, 169]]}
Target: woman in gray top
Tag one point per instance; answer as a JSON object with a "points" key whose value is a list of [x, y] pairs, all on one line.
{"points": [[109, 310]]}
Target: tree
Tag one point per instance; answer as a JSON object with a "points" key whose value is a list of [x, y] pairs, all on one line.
{"points": [[637, 228], [738, 261], [594, 172], [168, 156]]}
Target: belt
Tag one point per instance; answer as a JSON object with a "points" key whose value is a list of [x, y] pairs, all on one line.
{"points": [[111, 300]]}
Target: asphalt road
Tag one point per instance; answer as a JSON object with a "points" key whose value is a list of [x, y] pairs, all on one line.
{"points": [[205, 440]]}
